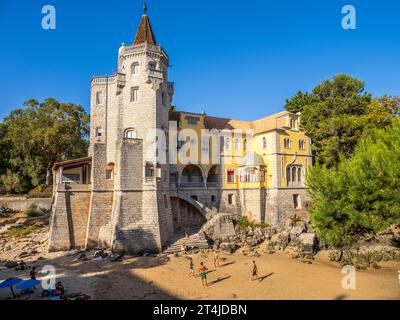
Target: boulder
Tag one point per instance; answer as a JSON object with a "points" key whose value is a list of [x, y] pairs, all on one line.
{"points": [[228, 247], [308, 242], [296, 231], [220, 227]]}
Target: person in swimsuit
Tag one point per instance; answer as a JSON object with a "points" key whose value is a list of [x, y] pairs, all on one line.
{"points": [[254, 272], [203, 274]]}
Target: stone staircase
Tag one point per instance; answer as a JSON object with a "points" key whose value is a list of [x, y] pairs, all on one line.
{"points": [[194, 242]]}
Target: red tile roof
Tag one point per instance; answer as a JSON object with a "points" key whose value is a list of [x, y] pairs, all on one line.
{"points": [[145, 32]]}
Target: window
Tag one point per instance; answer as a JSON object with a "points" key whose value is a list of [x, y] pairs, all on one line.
{"points": [[195, 198], [287, 143], [149, 170], [166, 201], [152, 66], [264, 143], [231, 176], [135, 68], [293, 124], [71, 178], [231, 199], [294, 176], [99, 98], [297, 201], [109, 174], [237, 144], [302, 145], [213, 199], [130, 134], [193, 121], [245, 145], [98, 132], [134, 94], [250, 175], [227, 143], [205, 144]]}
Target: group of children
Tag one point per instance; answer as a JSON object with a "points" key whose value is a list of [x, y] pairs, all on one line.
{"points": [[203, 270]]}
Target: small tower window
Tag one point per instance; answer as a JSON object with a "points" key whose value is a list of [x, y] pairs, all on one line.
{"points": [[264, 143], [302, 145], [134, 94], [149, 170], [152, 66], [98, 132], [99, 98], [135, 69]]}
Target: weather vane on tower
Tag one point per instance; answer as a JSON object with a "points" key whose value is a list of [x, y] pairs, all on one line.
{"points": [[144, 7]]}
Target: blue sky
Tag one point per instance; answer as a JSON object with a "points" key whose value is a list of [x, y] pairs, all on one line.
{"points": [[230, 58]]}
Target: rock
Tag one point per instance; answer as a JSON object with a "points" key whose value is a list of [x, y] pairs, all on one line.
{"points": [[255, 254], [11, 264], [306, 261], [228, 247], [308, 242], [295, 232], [220, 227]]}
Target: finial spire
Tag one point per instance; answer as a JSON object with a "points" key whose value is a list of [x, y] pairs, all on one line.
{"points": [[144, 7]]}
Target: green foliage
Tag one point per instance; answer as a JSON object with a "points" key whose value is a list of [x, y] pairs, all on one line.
{"points": [[332, 116], [36, 137], [32, 211], [361, 194], [19, 232], [297, 103], [243, 223], [11, 183]]}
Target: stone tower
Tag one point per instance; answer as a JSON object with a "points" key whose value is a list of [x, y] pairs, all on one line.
{"points": [[127, 109]]}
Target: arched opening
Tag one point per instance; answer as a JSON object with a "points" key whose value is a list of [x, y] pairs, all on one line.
{"points": [[186, 217], [213, 177], [192, 177]]}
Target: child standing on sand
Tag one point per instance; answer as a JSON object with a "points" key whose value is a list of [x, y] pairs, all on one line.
{"points": [[216, 260], [254, 272], [203, 274], [191, 267]]}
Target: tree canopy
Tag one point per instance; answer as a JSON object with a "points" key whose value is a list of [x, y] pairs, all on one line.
{"points": [[361, 194], [36, 137]]}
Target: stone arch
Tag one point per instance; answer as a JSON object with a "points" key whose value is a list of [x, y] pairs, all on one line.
{"points": [[213, 175], [188, 214], [192, 175]]}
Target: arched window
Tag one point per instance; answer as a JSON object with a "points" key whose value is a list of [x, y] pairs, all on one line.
{"points": [[135, 68], [294, 176], [130, 134], [152, 66]]}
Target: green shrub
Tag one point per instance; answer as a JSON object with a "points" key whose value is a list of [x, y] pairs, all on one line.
{"points": [[243, 223], [32, 211], [24, 231]]}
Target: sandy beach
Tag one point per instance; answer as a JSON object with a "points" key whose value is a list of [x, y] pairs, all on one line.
{"points": [[156, 277]]}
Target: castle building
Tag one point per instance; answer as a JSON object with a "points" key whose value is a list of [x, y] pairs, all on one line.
{"points": [[131, 195]]}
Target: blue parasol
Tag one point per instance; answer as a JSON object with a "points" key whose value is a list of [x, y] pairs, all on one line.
{"points": [[9, 283], [27, 284]]}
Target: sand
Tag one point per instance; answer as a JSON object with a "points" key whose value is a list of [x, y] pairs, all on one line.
{"points": [[155, 278]]}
